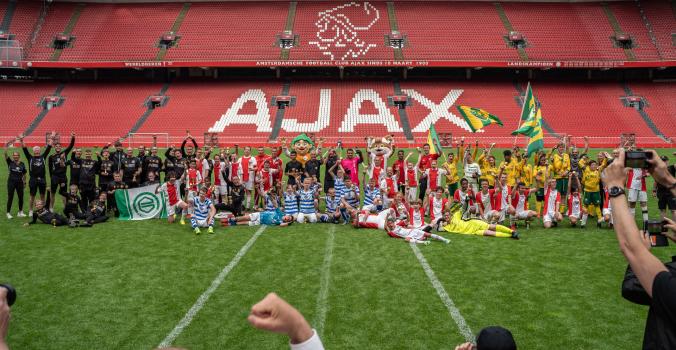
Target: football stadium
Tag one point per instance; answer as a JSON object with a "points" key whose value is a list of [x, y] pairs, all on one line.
{"points": [[338, 174]]}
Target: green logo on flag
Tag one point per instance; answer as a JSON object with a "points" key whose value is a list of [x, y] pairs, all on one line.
{"points": [[146, 203]]}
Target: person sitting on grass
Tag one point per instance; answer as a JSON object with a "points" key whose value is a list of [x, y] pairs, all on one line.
{"points": [[306, 199], [44, 215], [174, 201], [96, 213], [520, 195], [454, 223], [551, 216], [274, 217], [576, 212], [204, 212], [332, 201]]}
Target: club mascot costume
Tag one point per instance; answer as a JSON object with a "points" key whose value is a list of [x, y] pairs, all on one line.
{"points": [[303, 145], [380, 148]]}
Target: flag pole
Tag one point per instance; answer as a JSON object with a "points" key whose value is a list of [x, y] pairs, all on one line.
{"points": [[518, 120]]}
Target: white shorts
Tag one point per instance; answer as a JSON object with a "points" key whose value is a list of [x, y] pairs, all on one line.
{"points": [[249, 185], [522, 215], [607, 211], [203, 223], [171, 209], [374, 221], [637, 195], [221, 190], [307, 217], [549, 217], [416, 234], [254, 219]]}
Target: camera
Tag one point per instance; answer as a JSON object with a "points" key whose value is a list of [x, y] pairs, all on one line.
{"points": [[656, 229], [11, 293], [637, 159]]}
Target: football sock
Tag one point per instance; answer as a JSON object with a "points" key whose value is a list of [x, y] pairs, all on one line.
{"points": [[503, 229], [538, 207], [503, 235], [437, 237], [597, 210], [633, 212], [584, 219], [645, 213]]}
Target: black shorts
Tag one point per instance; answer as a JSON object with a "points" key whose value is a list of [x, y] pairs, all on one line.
{"points": [[35, 184], [56, 183], [664, 202]]}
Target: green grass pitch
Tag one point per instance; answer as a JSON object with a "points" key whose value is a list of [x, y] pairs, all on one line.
{"points": [[126, 285]]}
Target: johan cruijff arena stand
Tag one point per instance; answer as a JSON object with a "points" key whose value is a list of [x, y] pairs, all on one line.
{"points": [[41, 40]]}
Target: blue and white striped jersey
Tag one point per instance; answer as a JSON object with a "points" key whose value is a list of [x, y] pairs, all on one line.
{"points": [[370, 195], [307, 201], [290, 203], [351, 196], [201, 208], [271, 203], [339, 185], [332, 203]]}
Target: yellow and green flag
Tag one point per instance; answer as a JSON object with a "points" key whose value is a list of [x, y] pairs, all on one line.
{"points": [[433, 141], [532, 123], [477, 118]]}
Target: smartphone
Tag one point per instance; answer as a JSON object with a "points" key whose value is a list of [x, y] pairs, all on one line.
{"points": [[637, 159]]}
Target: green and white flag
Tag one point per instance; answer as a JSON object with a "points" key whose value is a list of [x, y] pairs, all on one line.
{"points": [[141, 203]]}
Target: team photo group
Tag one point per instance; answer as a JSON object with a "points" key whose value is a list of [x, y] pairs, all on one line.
{"points": [[461, 189]]}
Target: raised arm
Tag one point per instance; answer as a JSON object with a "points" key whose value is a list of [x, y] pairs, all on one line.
{"points": [[632, 242], [71, 144]]}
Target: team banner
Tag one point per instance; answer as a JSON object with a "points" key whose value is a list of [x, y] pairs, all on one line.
{"points": [[478, 118], [141, 203]]}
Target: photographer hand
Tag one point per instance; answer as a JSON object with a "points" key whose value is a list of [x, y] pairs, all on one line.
{"points": [[615, 174], [276, 315], [4, 319]]}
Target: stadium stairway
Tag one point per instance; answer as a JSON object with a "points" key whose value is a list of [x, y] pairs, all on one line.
{"points": [[403, 115], [288, 27], [644, 115], [508, 26], [279, 115], [398, 52], [174, 29], [77, 11], [142, 119], [43, 113], [7, 18], [617, 28]]}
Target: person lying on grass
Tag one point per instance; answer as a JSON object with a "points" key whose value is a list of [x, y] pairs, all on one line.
{"points": [[454, 223], [271, 218]]}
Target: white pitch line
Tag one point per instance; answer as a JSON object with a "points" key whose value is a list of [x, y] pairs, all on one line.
{"points": [[452, 309], [187, 319], [323, 296]]}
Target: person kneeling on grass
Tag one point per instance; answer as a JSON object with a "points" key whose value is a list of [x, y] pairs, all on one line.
{"points": [[271, 218], [454, 223], [174, 201], [204, 212], [551, 215]]}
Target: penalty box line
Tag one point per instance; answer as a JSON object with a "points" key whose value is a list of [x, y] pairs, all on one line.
{"points": [[448, 302], [197, 306]]}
